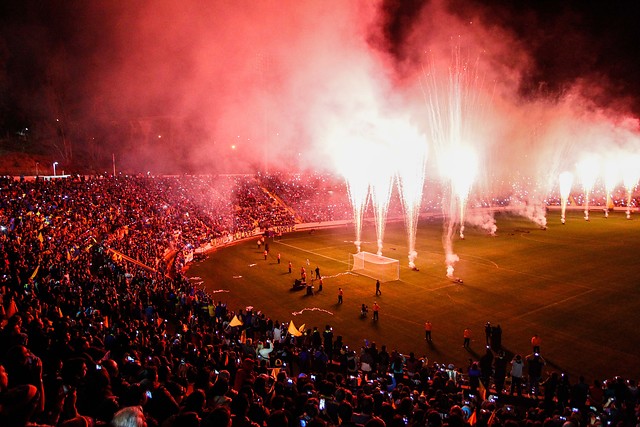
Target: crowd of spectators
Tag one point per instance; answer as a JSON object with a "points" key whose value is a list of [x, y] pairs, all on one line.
{"points": [[324, 197], [98, 329], [314, 198], [259, 208]]}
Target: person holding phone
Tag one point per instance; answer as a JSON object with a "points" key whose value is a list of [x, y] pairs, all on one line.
{"points": [[160, 404], [517, 367]]}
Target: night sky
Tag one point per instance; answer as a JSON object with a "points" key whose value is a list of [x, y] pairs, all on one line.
{"points": [[196, 84]]}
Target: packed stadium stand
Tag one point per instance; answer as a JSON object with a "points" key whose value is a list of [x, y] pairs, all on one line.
{"points": [[100, 326]]}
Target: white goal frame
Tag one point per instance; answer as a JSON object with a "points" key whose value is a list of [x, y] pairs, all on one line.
{"points": [[374, 266]]}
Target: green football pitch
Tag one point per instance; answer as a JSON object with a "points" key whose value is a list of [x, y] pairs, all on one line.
{"points": [[576, 285]]}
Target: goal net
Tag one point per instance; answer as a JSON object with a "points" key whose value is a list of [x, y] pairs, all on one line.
{"points": [[375, 266]]}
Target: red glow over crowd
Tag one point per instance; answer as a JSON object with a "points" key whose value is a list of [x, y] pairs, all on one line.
{"points": [[100, 327]]}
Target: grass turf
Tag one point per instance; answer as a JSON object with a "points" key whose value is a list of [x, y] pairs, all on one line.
{"points": [[575, 285]]}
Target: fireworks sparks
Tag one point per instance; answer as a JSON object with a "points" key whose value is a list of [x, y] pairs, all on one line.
{"points": [[588, 171], [566, 181], [630, 176], [460, 166], [381, 184], [456, 133], [456, 109], [411, 178], [611, 179], [352, 164]]}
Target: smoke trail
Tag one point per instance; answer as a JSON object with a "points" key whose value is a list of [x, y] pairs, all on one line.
{"points": [[450, 261], [449, 222], [482, 218], [535, 210]]}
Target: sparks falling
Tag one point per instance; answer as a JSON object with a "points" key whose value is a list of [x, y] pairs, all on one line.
{"points": [[588, 172], [566, 181], [461, 164], [351, 166], [630, 177], [611, 179], [455, 112], [381, 184], [411, 178]]}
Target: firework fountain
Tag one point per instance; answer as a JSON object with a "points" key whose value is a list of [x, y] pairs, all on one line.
{"points": [[351, 162], [381, 184], [455, 112], [373, 150], [358, 194], [411, 176], [610, 181], [566, 181], [630, 177], [461, 166], [588, 171]]}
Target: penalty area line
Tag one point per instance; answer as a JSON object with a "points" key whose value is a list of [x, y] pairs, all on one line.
{"points": [[478, 259], [314, 253]]}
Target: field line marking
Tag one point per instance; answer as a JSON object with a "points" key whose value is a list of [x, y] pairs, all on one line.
{"points": [[485, 260], [444, 287], [311, 252], [553, 304]]}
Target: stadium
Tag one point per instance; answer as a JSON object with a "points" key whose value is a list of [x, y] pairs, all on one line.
{"points": [[526, 277], [114, 281], [302, 213]]}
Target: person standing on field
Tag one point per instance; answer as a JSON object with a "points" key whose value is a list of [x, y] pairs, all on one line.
{"points": [[427, 331], [467, 337], [375, 308], [487, 333]]}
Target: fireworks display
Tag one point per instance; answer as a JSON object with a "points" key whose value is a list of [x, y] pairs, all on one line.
{"points": [[456, 106], [487, 100]]}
